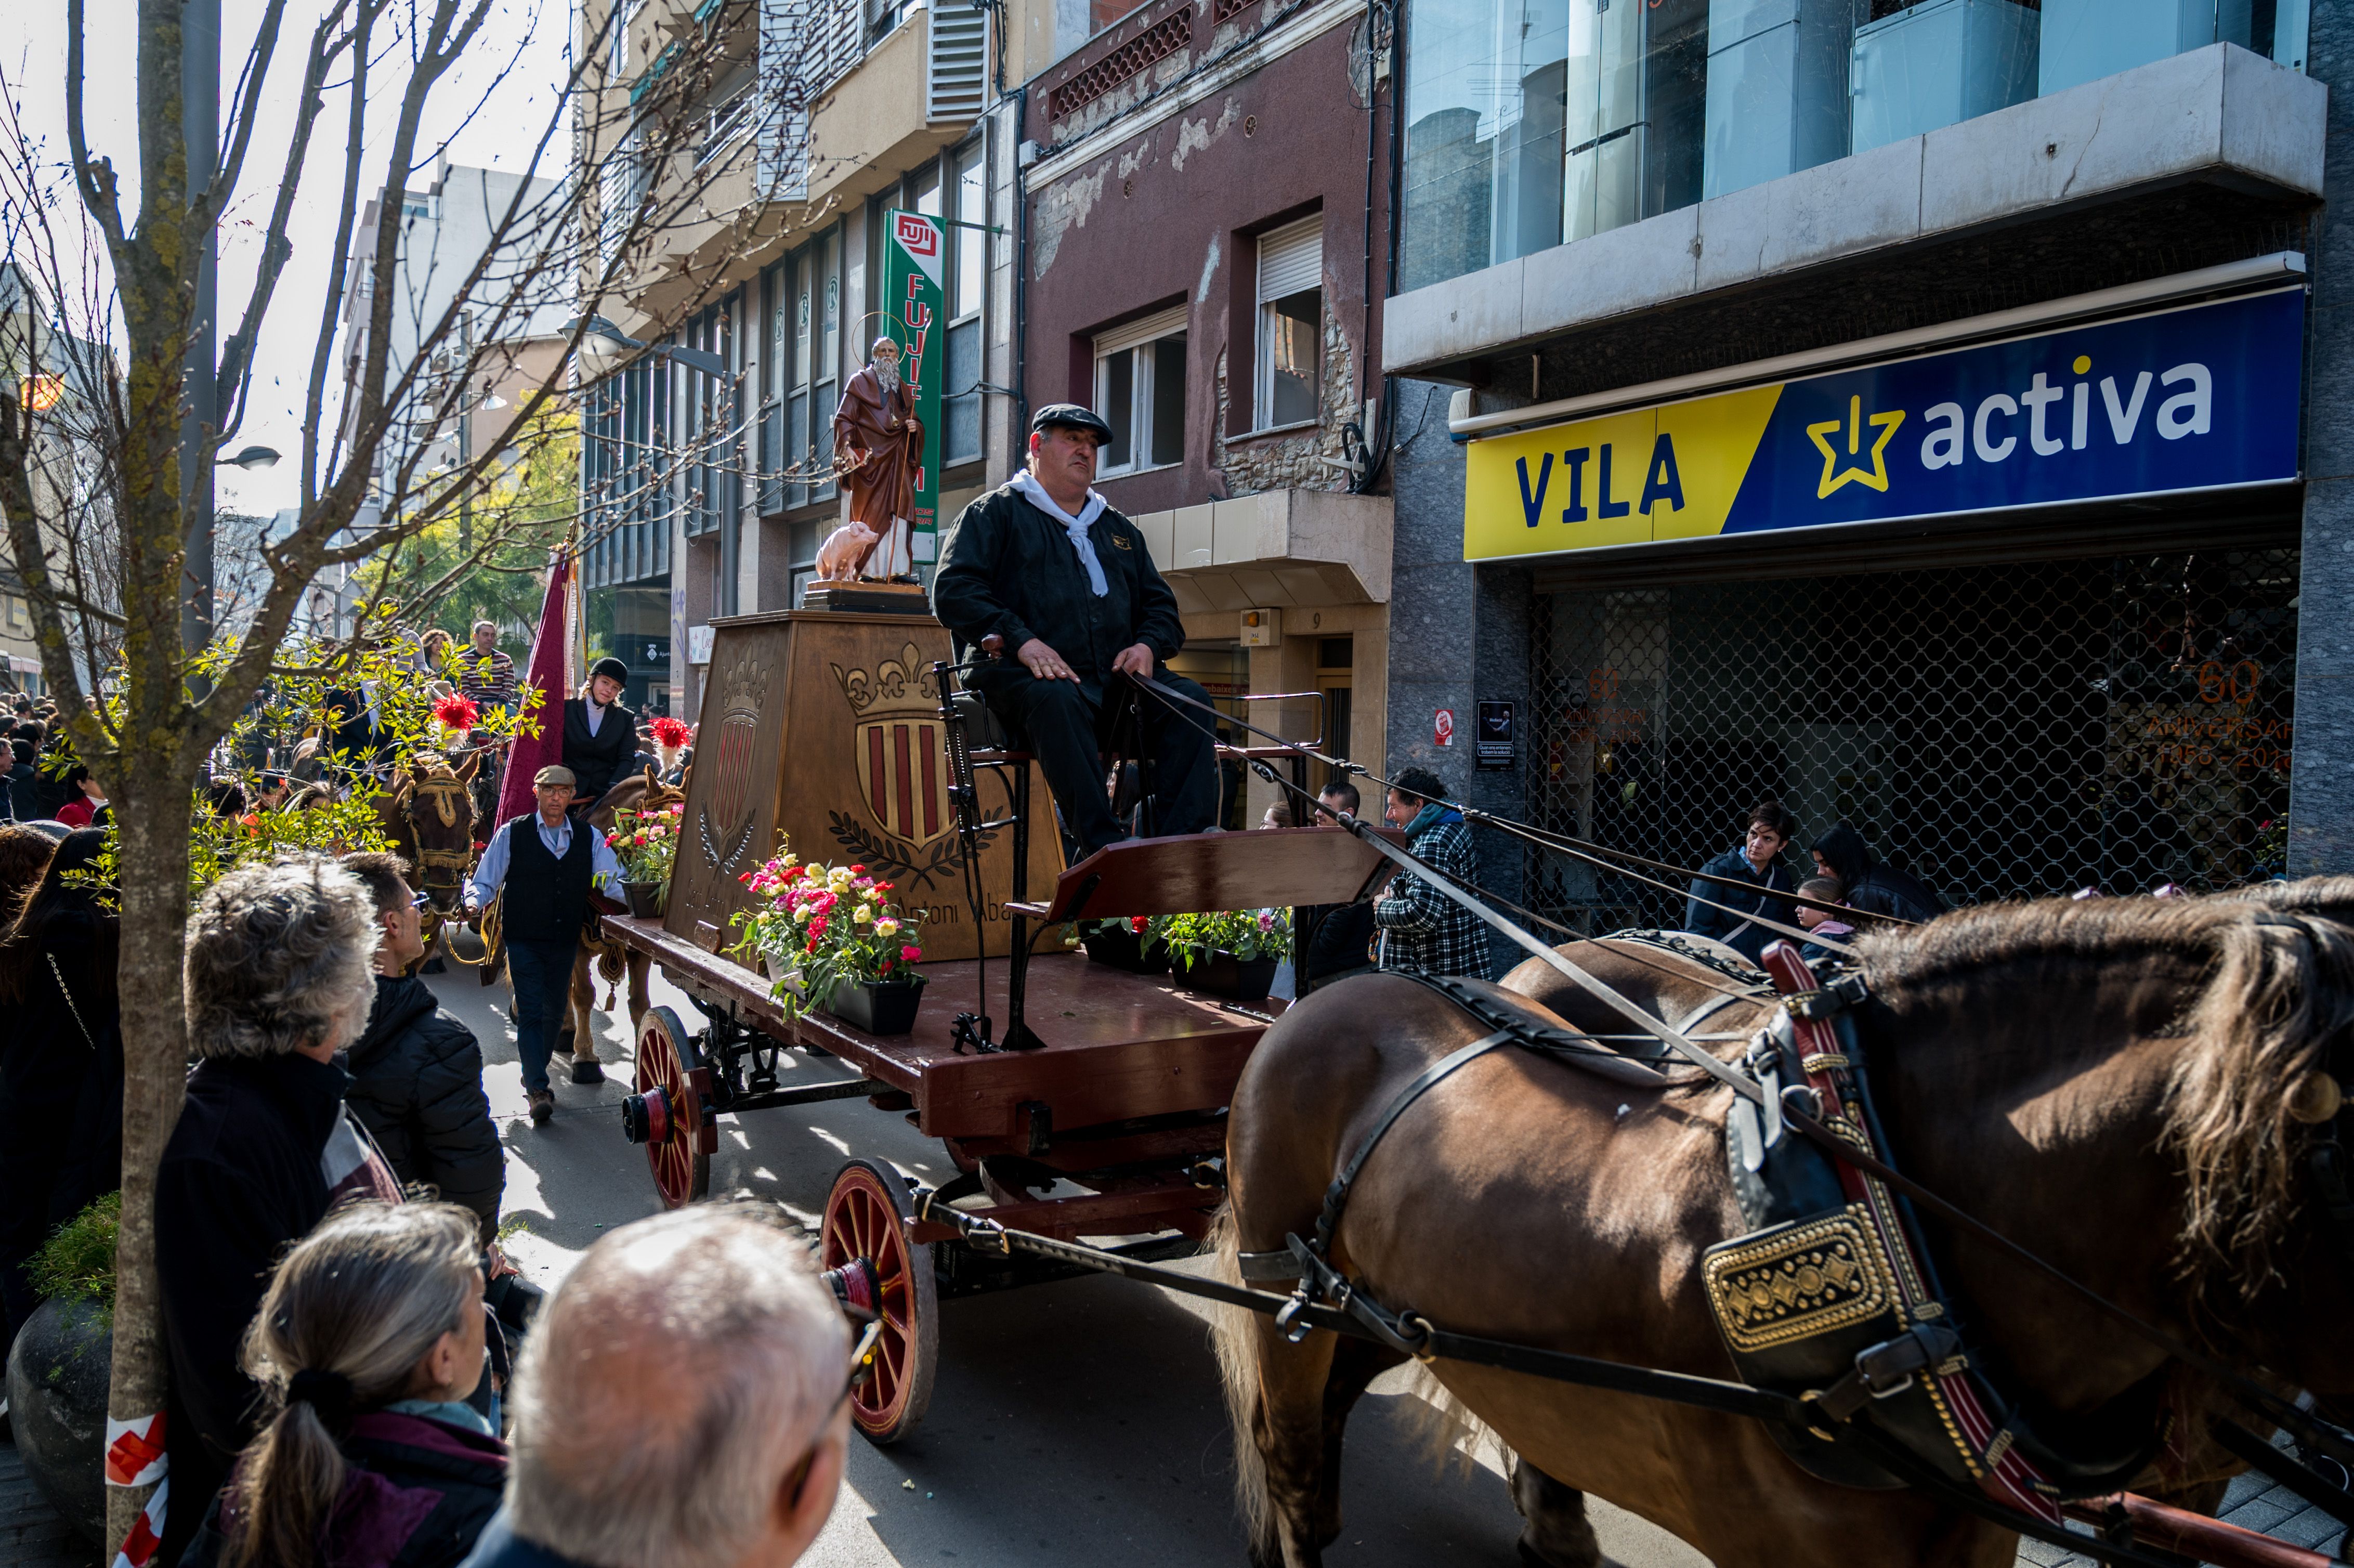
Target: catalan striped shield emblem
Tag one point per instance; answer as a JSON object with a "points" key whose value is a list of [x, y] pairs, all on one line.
{"points": [[727, 820], [903, 776]]}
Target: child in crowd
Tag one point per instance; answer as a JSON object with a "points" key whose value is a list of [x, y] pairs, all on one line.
{"points": [[366, 1347], [1822, 923]]}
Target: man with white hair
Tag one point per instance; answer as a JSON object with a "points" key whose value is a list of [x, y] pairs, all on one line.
{"points": [[680, 1404], [280, 971]]}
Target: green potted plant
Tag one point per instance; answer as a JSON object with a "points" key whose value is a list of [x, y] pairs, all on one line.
{"points": [[1128, 944], [833, 938], [58, 1368], [646, 843], [1233, 953]]}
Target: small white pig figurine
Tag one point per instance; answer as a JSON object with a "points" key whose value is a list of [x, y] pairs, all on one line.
{"points": [[839, 558]]}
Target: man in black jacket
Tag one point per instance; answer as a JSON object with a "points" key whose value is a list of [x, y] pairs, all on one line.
{"points": [[279, 976], [1334, 939], [1064, 581], [601, 735], [416, 1071]]}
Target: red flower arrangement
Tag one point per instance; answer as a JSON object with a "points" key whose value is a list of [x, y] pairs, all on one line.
{"points": [[456, 711], [669, 731]]}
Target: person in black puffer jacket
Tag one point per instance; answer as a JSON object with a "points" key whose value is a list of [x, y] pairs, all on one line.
{"points": [[418, 1071]]}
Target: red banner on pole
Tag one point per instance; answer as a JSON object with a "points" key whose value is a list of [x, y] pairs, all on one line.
{"points": [[550, 672]]}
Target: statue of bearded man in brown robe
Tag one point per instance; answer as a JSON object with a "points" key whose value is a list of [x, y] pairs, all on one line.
{"points": [[878, 448]]}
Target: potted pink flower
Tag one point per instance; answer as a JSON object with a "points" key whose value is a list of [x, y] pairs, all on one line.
{"points": [[646, 843], [838, 940]]}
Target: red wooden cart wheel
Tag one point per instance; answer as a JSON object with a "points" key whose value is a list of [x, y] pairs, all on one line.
{"points": [[867, 1215], [667, 1055]]}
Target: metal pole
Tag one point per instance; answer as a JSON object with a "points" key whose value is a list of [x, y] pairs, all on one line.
{"points": [[465, 435], [199, 422]]}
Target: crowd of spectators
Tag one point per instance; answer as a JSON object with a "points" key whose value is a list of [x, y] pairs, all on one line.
{"points": [[344, 1376]]}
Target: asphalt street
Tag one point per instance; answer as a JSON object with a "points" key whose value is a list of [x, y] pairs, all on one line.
{"points": [[1075, 1423]]}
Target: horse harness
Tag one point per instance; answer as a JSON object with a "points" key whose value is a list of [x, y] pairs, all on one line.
{"points": [[1831, 1306]]}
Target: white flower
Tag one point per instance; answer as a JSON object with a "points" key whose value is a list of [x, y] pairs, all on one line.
{"points": [[887, 927], [862, 914], [803, 914]]}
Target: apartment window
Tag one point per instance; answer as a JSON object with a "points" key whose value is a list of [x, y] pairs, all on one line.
{"points": [[1290, 324], [622, 190], [1534, 122], [1141, 392], [825, 389], [967, 275]]}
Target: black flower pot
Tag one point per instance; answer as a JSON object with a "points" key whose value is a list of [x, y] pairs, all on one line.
{"points": [[1127, 950], [58, 1372], [645, 898], [1223, 974], [879, 1007]]}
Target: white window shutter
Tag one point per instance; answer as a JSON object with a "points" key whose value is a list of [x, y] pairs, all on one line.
{"points": [[1161, 324], [955, 81], [1292, 259]]}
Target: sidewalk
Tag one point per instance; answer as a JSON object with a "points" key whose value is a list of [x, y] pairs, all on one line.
{"points": [[31, 1533]]}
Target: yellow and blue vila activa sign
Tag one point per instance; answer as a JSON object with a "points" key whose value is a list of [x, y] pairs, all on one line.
{"points": [[2201, 397]]}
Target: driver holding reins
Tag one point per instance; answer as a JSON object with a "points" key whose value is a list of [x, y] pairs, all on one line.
{"points": [[1044, 564]]}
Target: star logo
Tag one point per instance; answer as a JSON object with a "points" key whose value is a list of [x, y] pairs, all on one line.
{"points": [[1876, 476]]}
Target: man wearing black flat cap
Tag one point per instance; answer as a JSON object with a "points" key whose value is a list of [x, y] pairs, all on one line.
{"points": [[601, 735], [1066, 582]]}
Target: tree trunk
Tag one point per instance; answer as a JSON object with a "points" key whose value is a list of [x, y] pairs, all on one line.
{"points": [[151, 820]]}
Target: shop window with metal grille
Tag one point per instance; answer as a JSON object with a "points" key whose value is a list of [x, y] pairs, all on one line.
{"points": [[2001, 732], [1290, 324]]}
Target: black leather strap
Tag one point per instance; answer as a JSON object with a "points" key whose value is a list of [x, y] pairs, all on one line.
{"points": [[1336, 1196], [1516, 1015]]}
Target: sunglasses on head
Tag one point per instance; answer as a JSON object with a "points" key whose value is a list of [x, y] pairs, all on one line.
{"points": [[419, 900], [862, 1367]]}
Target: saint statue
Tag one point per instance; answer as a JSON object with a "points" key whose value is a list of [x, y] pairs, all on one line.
{"points": [[878, 448]]}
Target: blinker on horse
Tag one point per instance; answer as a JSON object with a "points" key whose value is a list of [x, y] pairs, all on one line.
{"points": [[2120, 1088]]}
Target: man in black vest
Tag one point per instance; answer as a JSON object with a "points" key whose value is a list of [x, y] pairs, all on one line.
{"points": [[549, 863], [601, 735]]}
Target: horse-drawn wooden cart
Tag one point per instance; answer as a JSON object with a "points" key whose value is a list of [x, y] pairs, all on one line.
{"points": [[1111, 1119]]}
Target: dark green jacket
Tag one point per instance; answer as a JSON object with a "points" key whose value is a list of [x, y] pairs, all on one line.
{"points": [[1010, 568]]}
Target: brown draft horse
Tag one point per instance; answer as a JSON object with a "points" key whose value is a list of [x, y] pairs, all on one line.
{"points": [[641, 792], [2122, 1086]]}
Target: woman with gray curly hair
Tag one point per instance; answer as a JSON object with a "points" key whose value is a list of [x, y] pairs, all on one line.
{"points": [[278, 968]]}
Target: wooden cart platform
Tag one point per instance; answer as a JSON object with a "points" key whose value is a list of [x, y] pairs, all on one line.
{"points": [[1119, 1046]]}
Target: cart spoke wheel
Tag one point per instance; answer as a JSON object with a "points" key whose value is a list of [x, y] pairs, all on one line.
{"points": [[867, 1215], [666, 1054]]}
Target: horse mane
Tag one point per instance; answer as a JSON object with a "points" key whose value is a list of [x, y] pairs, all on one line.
{"points": [[2271, 986]]}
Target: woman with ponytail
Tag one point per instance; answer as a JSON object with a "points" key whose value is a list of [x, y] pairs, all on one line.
{"points": [[367, 1347]]}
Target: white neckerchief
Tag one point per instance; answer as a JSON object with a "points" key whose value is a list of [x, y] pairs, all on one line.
{"points": [[1035, 494]]}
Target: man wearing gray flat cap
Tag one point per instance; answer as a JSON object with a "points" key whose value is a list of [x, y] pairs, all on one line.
{"points": [[1066, 585]]}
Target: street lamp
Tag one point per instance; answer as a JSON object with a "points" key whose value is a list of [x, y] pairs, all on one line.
{"points": [[603, 347], [250, 458]]}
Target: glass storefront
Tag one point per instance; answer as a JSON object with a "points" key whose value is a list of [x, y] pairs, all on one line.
{"points": [[1533, 123]]}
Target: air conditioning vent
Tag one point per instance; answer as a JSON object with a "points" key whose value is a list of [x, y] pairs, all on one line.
{"points": [[956, 85]]}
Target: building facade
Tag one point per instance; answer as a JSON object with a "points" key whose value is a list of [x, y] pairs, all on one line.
{"points": [[1914, 413], [1206, 243], [806, 125]]}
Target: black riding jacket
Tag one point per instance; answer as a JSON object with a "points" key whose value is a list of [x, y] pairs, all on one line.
{"points": [[1007, 567]]}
